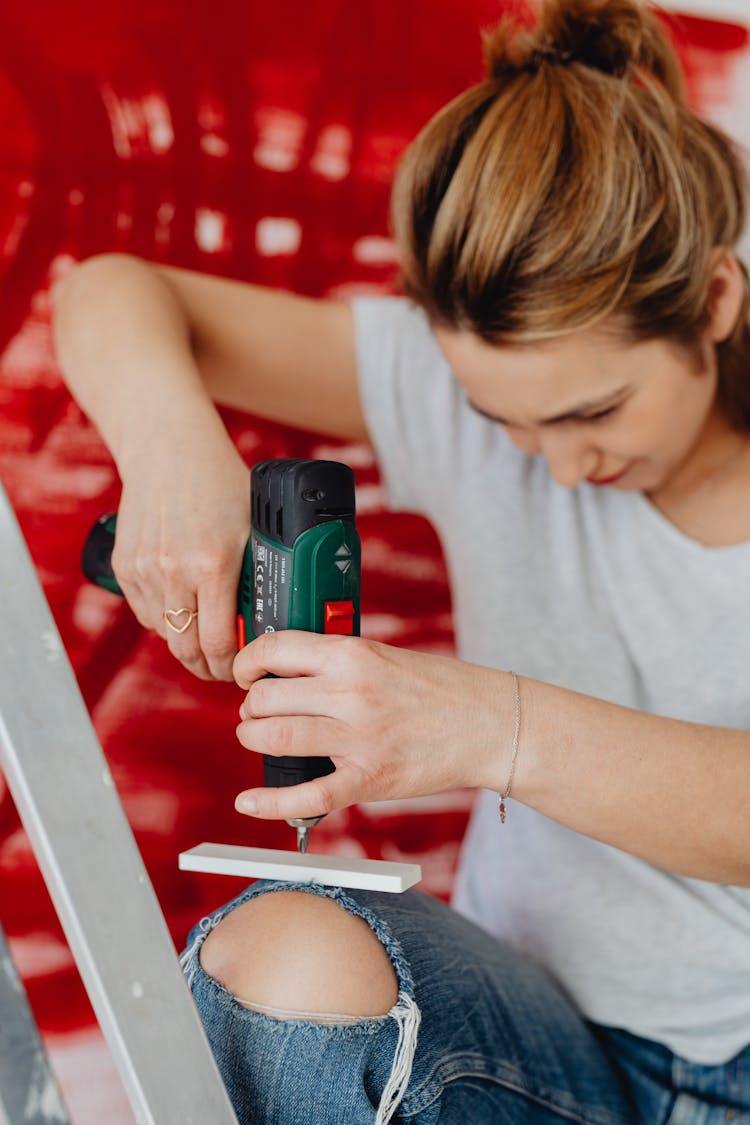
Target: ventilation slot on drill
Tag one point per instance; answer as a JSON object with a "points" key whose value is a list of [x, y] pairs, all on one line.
{"points": [[324, 514]]}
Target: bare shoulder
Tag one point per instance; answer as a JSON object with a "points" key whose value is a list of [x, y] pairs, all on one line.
{"points": [[276, 354]]}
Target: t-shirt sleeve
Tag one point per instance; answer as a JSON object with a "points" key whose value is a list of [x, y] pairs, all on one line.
{"points": [[416, 412]]}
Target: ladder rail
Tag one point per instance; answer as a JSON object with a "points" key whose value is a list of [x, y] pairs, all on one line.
{"points": [[64, 792], [29, 1093]]}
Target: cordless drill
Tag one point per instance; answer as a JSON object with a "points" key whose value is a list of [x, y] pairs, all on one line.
{"points": [[301, 570]]}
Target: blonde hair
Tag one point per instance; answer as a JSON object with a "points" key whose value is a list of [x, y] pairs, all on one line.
{"points": [[572, 185]]}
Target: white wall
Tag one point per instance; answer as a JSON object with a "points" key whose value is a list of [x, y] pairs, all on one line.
{"points": [[738, 11]]}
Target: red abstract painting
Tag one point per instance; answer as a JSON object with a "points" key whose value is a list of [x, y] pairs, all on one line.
{"points": [[258, 144]]}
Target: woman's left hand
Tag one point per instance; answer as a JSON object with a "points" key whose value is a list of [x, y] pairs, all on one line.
{"points": [[395, 723]]}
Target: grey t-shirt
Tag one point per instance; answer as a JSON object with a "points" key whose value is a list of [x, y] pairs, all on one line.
{"points": [[593, 590]]}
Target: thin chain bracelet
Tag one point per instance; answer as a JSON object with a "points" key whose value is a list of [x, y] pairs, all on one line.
{"points": [[514, 754]]}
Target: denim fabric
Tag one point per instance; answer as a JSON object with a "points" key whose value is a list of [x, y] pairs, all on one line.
{"points": [[498, 1041]]}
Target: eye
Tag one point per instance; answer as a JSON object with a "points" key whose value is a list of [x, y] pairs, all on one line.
{"points": [[490, 417], [601, 415]]}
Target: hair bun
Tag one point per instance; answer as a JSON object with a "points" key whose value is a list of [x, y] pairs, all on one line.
{"points": [[616, 37], [605, 34]]}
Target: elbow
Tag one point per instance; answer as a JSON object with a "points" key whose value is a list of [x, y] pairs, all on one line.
{"points": [[81, 295], [85, 275]]}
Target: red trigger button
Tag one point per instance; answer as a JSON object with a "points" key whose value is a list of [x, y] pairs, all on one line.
{"points": [[339, 618]]}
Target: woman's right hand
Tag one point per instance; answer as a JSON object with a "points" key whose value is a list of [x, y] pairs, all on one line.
{"points": [[182, 527]]}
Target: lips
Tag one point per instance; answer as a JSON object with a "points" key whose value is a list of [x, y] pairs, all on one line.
{"points": [[599, 481]]}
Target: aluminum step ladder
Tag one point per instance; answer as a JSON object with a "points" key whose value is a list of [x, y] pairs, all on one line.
{"points": [[64, 793]]}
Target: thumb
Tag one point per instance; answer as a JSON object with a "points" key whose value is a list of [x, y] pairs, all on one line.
{"points": [[313, 798]]}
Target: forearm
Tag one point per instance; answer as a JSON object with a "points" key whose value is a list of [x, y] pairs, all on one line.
{"points": [[674, 793], [138, 343], [124, 345]]}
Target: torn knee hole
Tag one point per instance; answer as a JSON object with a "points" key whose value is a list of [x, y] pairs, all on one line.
{"points": [[296, 955]]}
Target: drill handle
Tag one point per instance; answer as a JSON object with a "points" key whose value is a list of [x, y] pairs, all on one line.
{"points": [[96, 560], [278, 772]]}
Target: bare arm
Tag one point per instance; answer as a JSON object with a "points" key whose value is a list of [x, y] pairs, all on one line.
{"points": [[285, 357], [674, 793], [130, 334], [399, 724], [147, 351]]}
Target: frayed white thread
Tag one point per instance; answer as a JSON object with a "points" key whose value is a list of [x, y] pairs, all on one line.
{"points": [[408, 1017], [189, 959]]}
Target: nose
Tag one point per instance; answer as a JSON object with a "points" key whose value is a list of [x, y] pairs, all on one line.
{"points": [[569, 455]]}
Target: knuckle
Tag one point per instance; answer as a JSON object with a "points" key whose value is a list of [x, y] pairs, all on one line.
{"points": [[346, 656], [218, 647], [210, 564], [124, 566], [257, 699], [358, 666], [352, 648], [272, 805], [167, 565], [269, 645], [203, 568], [192, 660], [238, 667], [324, 800], [144, 566], [279, 737]]}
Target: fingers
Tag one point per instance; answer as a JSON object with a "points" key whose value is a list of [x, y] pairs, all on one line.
{"points": [[138, 600], [182, 529], [315, 798], [288, 653], [182, 634], [301, 696], [217, 624], [299, 736], [207, 644]]}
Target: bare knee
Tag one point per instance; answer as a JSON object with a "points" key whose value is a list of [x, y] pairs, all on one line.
{"points": [[295, 952]]}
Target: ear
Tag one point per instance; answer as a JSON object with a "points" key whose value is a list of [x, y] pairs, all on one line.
{"points": [[726, 294]]}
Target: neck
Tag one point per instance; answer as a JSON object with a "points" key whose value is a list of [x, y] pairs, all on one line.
{"points": [[716, 452]]}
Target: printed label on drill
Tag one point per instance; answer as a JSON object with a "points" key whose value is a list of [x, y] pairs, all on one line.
{"points": [[271, 576]]}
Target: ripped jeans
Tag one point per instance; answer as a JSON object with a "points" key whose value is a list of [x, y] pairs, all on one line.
{"points": [[478, 1036]]}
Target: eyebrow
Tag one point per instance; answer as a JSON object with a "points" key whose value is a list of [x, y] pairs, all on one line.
{"points": [[591, 407]]}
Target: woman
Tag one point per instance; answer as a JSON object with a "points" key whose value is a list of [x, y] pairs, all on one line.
{"points": [[566, 395]]}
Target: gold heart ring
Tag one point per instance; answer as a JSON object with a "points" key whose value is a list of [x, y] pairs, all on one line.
{"points": [[172, 616]]}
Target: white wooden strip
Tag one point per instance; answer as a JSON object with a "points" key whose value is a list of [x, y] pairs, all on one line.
{"points": [[737, 11], [330, 870]]}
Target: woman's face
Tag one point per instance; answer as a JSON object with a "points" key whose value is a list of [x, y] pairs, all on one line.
{"points": [[625, 415]]}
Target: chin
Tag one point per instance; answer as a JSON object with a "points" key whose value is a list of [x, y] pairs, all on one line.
{"points": [[650, 481], [637, 478]]}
